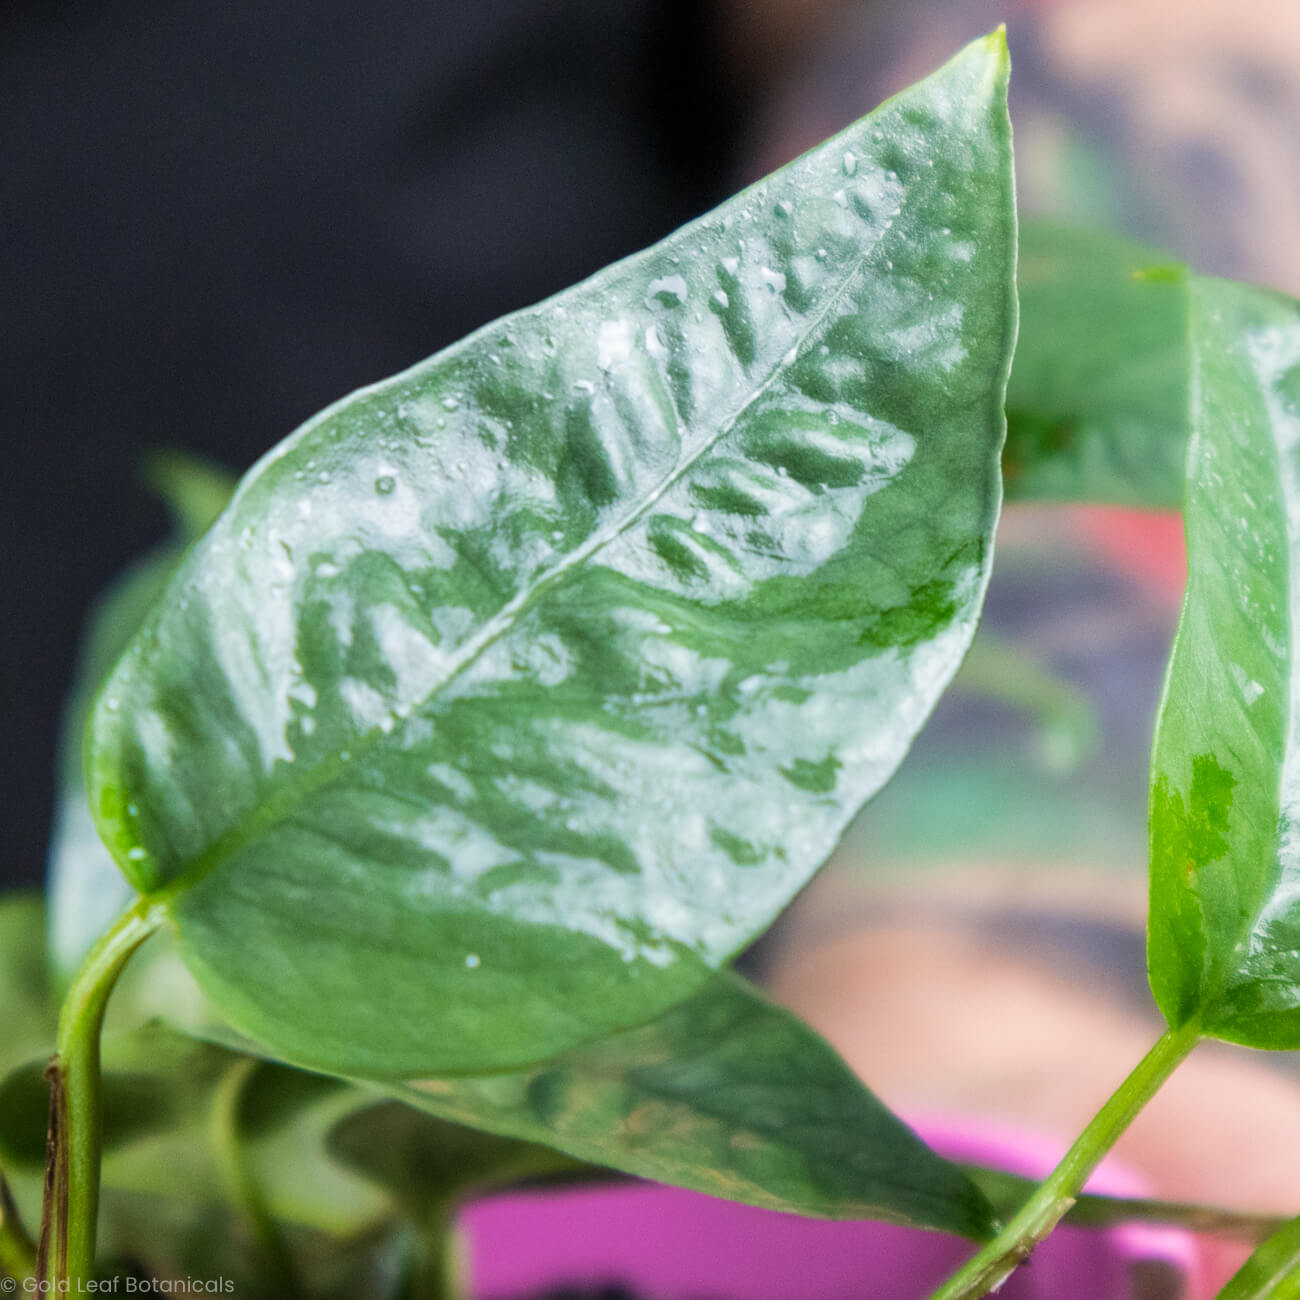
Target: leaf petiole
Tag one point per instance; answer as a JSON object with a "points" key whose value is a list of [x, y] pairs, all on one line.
{"points": [[65, 1254], [1057, 1194]]}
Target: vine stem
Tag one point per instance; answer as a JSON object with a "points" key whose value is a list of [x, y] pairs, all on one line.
{"points": [[66, 1250], [436, 1266], [1272, 1272], [1053, 1198]]}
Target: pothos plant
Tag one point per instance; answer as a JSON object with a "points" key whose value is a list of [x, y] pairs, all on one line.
{"points": [[441, 772]]}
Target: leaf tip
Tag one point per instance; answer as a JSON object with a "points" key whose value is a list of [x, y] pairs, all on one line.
{"points": [[968, 1212], [990, 53], [996, 43]]}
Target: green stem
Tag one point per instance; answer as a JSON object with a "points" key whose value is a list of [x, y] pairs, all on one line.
{"points": [[435, 1264], [17, 1249], [1054, 1197], [1272, 1272], [246, 1191], [66, 1251]]}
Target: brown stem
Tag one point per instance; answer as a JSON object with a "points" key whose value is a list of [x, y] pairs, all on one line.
{"points": [[54, 1202]]}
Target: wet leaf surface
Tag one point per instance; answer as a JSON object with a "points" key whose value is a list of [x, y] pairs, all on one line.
{"points": [[1224, 942]]}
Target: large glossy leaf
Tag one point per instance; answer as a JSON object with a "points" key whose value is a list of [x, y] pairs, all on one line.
{"points": [[86, 890], [511, 696], [729, 1095], [1225, 855], [1097, 404]]}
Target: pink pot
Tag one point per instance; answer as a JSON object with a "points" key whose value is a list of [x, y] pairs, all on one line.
{"points": [[666, 1244]]}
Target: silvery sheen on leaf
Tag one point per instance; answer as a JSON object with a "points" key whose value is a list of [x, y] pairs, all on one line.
{"points": [[510, 697]]}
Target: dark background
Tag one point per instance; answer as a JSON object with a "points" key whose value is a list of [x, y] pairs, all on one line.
{"points": [[217, 218]]}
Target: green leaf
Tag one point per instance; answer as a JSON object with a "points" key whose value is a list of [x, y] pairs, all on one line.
{"points": [[156, 1091], [324, 1155], [27, 1022], [1097, 404], [515, 694], [159, 1090], [729, 1095], [27, 1030], [158, 1097], [1224, 945], [194, 490], [1273, 1270], [429, 1164], [286, 1122], [87, 891]]}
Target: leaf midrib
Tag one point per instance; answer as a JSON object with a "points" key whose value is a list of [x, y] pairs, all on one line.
{"points": [[273, 809]]}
